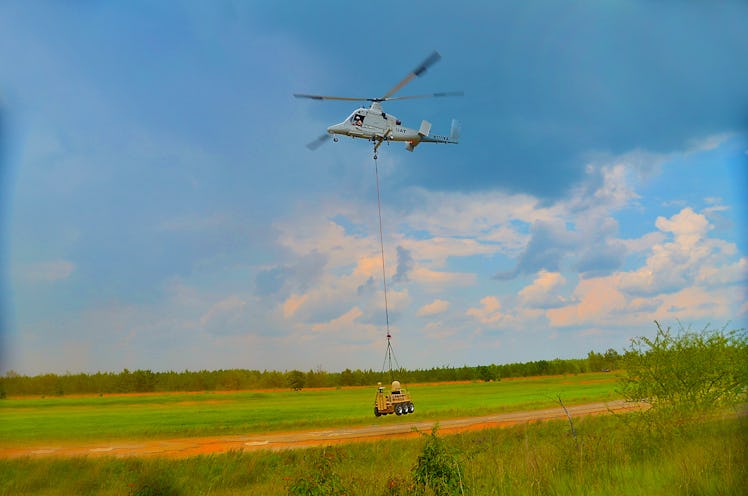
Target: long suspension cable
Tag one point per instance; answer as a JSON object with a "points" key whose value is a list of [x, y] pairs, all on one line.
{"points": [[389, 354], [381, 247]]}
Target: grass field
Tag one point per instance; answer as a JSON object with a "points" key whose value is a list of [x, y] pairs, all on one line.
{"points": [[25, 421], [607, 455], [605, 458]]}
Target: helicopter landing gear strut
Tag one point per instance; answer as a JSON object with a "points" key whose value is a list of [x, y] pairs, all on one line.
{"points": [[380, 141]]}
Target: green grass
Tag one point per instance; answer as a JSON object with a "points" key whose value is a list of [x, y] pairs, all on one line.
{"points": [[606, 458], [28, 421]]}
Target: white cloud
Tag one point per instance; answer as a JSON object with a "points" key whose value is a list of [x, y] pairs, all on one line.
{"points": [[676, 264], [643, 243], [437, 281], [292, 304], [686, 275], [687, 226], [710, 275], [616, 190], [489, 312], [597, 300], [436, 307], [711, 142], [345, 322], [544, 292]]}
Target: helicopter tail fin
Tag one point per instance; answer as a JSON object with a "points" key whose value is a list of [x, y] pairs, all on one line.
{"points": [[455, 131]]}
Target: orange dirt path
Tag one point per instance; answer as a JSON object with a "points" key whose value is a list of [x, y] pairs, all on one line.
{"points": [[186, 447]]}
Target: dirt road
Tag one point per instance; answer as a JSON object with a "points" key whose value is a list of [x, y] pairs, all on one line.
{"points": [[184, 447]]}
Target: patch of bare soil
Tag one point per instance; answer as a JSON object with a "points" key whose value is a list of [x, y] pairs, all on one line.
{"points": [[186, 447]]}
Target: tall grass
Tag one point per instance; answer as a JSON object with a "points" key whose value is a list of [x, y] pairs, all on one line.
{"points": [[606, 457]]}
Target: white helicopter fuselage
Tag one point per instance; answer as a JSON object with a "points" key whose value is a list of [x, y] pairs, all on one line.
{"points": [[374, 124]]}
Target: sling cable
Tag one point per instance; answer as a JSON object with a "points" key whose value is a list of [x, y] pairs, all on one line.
{"points": [[397, 400]]}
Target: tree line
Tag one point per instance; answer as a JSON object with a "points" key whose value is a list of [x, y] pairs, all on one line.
{"points": [[147, 381]]}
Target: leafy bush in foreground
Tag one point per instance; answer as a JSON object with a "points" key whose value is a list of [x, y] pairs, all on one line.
{"points": [[437, 469], [686, 376]]}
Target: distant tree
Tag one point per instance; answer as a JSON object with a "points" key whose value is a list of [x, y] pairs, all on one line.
{"points": [[143, 381], [485, 373], [316, 378], [595, 361], [611, 359], [296, 380], [346, 377]]}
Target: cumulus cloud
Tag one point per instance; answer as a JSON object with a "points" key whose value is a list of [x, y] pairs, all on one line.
{"points": [[345, 322], [489, 312], [605, 187], [438, 281], [436, 307], [595, 300], [729, 273], [676, 263], [686, 275], [545, 291], [292, 304], [435, 251], [405, 264], [687, 226]]}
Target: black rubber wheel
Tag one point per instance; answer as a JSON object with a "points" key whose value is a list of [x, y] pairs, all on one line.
{"points": [[376, 412]]}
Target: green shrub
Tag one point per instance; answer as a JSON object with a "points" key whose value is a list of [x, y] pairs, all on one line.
{"points": [[437, 470], [323, 480], [687, 376]]}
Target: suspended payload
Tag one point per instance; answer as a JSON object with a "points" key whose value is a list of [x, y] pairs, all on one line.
{"points": [[397, 400]]}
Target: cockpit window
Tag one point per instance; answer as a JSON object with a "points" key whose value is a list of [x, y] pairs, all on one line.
{"points": [[357, 120]]}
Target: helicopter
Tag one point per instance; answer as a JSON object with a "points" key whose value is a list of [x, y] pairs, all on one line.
{"points": [[377, 126]]}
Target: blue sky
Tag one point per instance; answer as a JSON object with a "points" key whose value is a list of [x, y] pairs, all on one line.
{"points": [[160, 210]]}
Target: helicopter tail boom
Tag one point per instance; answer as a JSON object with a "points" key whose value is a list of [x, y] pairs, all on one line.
{"points": [[423, 132], [453, 138]]}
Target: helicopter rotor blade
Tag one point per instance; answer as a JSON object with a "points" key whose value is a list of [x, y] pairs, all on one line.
{"points": [[324, 97], [319, 141], [430, 60], [430, 95]]}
